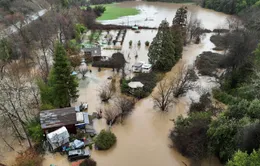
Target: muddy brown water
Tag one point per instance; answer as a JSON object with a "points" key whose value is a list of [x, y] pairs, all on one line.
{"points": [[142, 139]]}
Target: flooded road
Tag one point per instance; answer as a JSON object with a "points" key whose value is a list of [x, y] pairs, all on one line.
{"points": [[143, 136]]}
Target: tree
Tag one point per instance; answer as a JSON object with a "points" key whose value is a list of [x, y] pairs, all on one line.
{"points": [[105, 140], [88, 162], [162, 50], [194, 29], [99, 10], [111, 114], [243, 159], [75, 61], [183, 81], [63, 83], [189, 135], [5, 54], [124, 105], [249, 137], [180, 18], [106, 92], [222, 135], [163, 98]]}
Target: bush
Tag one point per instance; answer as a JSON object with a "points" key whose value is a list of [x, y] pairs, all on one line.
{"points": [[130, 43], [147, 43], [105, 140], [139, 43], [29, 158], [243, 159], [35, 130], [88, 162], [47, 107], [208, 62], [222, 135], [189, 135], [224, 97], [99, 10]]}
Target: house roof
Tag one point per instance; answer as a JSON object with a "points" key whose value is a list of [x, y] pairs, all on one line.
{"points": [[139, 64], [58, 117], [136, 84]]}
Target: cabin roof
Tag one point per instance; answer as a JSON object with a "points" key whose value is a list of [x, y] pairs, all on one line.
{"points": [[58, 117]]}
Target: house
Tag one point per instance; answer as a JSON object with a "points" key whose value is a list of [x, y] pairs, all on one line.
{"points": [[146, 68], [52, 120], [137, 68], [58, 138], [94, 50]]}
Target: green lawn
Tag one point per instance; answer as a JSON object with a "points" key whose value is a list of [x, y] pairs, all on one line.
{"points": [[113, 12]]}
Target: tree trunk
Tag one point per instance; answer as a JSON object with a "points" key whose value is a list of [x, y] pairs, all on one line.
{"points": [[22, 123], [7, 144], [15, 128]]}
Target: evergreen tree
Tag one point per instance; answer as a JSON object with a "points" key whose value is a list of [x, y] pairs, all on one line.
{"points": [[180, 18], [178, 41], [162, 50], [179, 24], [64, 84]]}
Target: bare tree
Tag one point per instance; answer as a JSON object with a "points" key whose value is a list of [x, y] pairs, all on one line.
{"points": [[111, 114], [125, 106], [234, 23], [194, 29], [183, 81], [163, 98], [16, 98], [106, 92]]}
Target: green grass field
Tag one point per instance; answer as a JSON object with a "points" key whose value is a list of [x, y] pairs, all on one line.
{"points": [[113, 12]]}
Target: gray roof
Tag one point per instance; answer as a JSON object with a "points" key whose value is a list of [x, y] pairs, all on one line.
{"points": [[94, 49], [58, 117]]}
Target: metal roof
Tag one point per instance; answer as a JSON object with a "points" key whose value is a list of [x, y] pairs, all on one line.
{"points": [[58, 117]]}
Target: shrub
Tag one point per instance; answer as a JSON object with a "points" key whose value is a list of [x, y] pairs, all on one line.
{"points": [[88, 162], [208, 62], [105, 140], [130, 43], [139, 43], [189, 135], [224, 97], [147, 43], [29, 158], [35, 130]]}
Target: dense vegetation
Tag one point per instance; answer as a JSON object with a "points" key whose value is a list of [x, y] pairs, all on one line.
{"points": [[61, 87], [166, 47], [229, 6], [105, 140]]}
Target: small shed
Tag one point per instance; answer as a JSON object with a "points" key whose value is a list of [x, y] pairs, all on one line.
{"points": [[82, 119], [58, 137], [137, 67], [135, 84], [51, 120]]}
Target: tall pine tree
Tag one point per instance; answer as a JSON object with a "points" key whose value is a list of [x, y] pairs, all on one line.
{"points": [[162, 50], [64, 85], [180, 18]]}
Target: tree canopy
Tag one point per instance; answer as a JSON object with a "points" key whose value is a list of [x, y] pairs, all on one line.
{"points": [[162, 50]]}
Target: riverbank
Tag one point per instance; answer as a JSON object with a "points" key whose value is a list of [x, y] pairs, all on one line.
{"points": [[113, 11]]}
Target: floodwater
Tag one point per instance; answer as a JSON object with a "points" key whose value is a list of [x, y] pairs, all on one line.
{"points": [[142, 139]]}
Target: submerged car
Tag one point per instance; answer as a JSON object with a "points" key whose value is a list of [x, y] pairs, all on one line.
{"points": [[74, 155]]}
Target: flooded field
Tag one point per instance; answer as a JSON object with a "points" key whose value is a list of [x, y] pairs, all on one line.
{"points": [[143, 137]]}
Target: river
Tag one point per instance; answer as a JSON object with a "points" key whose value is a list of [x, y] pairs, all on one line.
{"points": [[142, 139]]}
